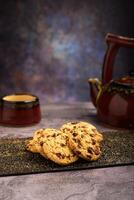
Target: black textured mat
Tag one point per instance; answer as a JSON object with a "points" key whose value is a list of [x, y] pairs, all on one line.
{"points": [[117, 149]]}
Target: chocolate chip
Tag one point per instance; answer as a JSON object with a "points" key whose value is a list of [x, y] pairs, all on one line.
{"points": [[73, 155], [75, 134], [90, 150], [83, 127], [74, 139], [63, 156], [41, 143], [82, 136], [79, 142], [97, 151], [77, 152], [93, 142], [68, 157], [91, 135], [59, 155], [90, 157], [71, 131], [62, 145]]}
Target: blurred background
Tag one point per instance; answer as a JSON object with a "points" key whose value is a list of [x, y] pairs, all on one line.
{"points": [[51, 47]]}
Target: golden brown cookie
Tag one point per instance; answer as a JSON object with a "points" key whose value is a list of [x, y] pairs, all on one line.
{"points": [[56, 148], [84, 145], [31, 146], [84, 139], [85, 126], [35, 145]]}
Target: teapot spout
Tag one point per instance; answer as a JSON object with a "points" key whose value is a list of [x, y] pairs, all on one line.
{"points": [[95, 88]]}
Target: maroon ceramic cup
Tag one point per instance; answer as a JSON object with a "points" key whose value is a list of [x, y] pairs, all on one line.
{"points": [[19, 109]]}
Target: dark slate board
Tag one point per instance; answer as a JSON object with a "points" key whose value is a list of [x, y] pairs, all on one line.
{"points": [[117, 149]]}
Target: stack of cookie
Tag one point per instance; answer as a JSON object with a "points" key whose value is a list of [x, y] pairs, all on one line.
{"points": [[66, 145]]}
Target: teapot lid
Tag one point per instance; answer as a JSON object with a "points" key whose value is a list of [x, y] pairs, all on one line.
{"points": [[127, 80]]}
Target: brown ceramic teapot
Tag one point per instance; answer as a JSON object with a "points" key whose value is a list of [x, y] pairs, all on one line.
{"points": [[114, 99]]}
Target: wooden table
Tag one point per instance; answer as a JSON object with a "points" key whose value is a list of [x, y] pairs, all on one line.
{"points": [[97, 184]]}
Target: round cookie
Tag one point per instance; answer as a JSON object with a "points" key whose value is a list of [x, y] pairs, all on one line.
{"points": [[56, 148], [35, 145], [84, 145], [85, 126], [40, 136], [31, 146], [84, 139]]}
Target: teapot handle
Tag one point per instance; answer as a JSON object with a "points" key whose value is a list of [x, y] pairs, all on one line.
{"points": [[114, 42]]}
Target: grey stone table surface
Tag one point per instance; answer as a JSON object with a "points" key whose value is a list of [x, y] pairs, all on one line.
{"points": [[113, 183]]}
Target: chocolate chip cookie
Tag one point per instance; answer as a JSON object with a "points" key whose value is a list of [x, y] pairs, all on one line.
{"points": [[55, 147], [84, 126], [35, 145], [84, 139]]}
